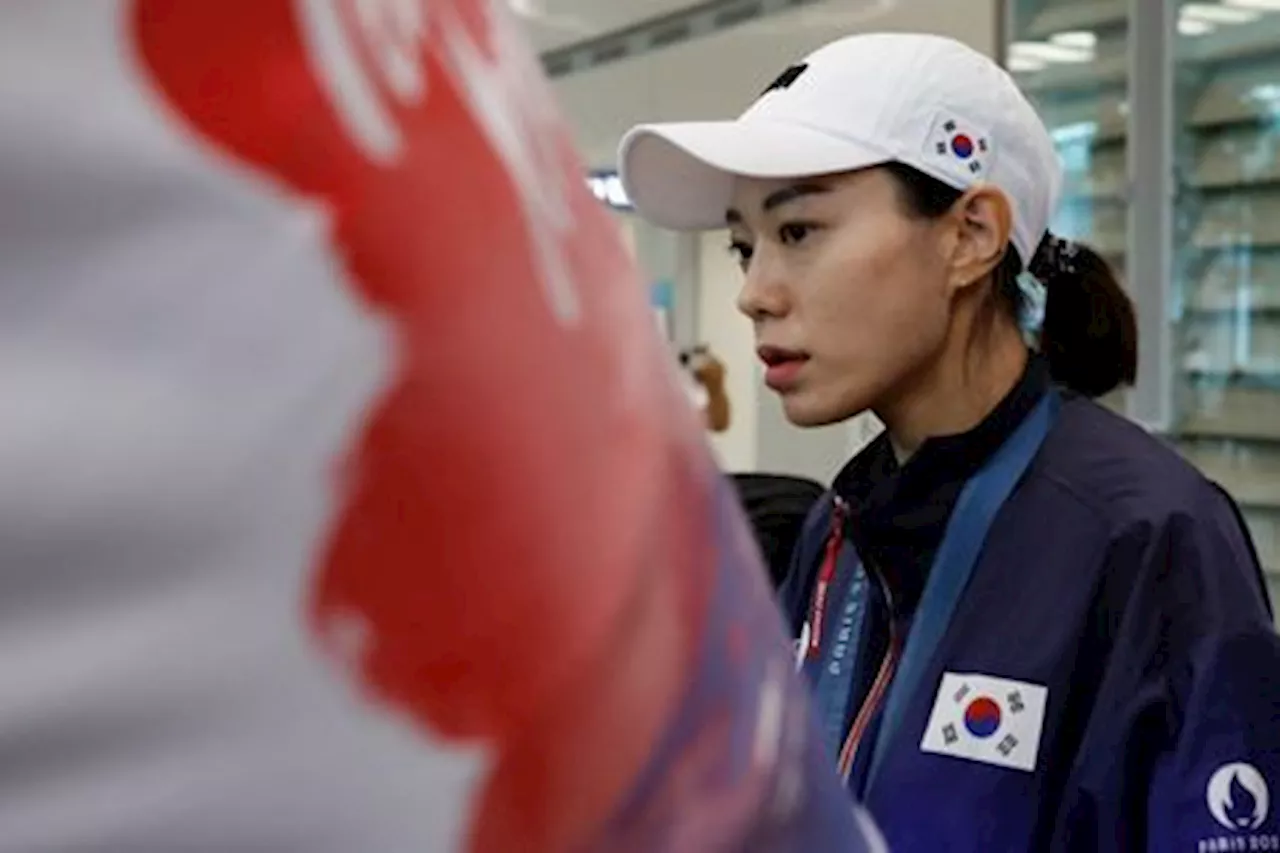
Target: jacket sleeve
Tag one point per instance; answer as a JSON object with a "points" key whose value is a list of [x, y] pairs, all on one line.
{"points": [[1200, 760], [1212, 789]]}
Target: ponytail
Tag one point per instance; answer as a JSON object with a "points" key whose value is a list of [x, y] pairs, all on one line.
{"points": [[1090, 331]]}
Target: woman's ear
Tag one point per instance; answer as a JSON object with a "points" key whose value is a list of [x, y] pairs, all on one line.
{"points": [[983, 221]]}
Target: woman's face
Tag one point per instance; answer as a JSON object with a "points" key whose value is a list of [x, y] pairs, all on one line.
{"points": [[850, 296]]}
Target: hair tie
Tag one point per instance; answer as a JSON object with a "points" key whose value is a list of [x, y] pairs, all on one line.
{"points": [[1054, 256], [1031, 307]]}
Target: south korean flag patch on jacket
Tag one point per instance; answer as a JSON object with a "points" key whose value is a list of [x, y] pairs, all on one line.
{"points": [[959, 147], [989, 720]]}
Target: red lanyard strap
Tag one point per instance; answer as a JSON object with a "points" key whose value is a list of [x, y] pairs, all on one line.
{"points": [[826, 576]]}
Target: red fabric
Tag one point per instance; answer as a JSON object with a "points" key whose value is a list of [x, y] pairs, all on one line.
{"points": [[543, 609]]}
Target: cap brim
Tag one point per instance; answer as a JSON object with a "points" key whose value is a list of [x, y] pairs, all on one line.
{"points": [[681, 176]]}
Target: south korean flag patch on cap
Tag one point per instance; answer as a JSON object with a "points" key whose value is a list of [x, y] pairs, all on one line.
{"points": [[959, 147], [989, 720]]}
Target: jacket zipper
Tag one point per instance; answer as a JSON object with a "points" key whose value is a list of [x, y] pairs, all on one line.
{"points": [[879, 688]]}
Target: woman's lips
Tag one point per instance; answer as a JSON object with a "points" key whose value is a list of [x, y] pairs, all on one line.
{"points": [[782, 366]]}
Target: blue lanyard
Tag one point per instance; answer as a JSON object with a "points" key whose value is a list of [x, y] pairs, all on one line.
{"points": [[833, 682], [967, 529]]}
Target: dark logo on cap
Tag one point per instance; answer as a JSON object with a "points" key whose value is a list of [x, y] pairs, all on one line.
{"points": [[786, 78]]}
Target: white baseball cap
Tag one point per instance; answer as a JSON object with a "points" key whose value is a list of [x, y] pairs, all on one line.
{"points": [[925, 101]]}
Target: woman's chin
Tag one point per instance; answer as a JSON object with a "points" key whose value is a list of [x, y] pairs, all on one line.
{"points": [[811, 410]]}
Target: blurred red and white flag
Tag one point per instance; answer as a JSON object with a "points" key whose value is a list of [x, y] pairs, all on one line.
{"points": [[347, 499]]}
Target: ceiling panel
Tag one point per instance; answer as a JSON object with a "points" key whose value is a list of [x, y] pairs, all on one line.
{"points": [[718, 76], [554, 24]]}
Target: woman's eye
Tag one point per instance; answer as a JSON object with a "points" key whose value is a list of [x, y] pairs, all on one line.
{"points": [[794, 232], [742, 251]]}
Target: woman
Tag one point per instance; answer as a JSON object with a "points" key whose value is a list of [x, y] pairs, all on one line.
{"points": [[1029, 625]]}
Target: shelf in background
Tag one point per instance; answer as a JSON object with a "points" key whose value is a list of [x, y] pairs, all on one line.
{"points": [[1239, 219], [1251, 474], [1082, 193], [1240, 44], [1249, 313], [1101, 177], [1234, 280], [1207, 426], [1096, 118], [1064, 15], [1232, 349], [1230, 402], [1241, 157], [1264, 377], [1108, 72], [1247, 94]]}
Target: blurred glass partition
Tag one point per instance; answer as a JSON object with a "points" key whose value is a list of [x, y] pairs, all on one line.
{"points": [[1227, 262], [1071, 57]]}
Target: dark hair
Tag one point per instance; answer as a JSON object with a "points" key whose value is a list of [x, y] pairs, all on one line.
{"points": [[1090, 333]]}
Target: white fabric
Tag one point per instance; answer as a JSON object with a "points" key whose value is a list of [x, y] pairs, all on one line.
{"points": [[861, 101], [161, 690]]}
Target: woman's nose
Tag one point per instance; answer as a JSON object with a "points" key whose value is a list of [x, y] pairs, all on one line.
{"points": [[763, 294]]}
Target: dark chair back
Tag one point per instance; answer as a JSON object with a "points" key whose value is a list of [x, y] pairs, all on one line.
{"points": [[777, 505]]}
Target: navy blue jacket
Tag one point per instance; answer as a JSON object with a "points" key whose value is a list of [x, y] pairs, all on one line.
{"points": [[1117, 596]]}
